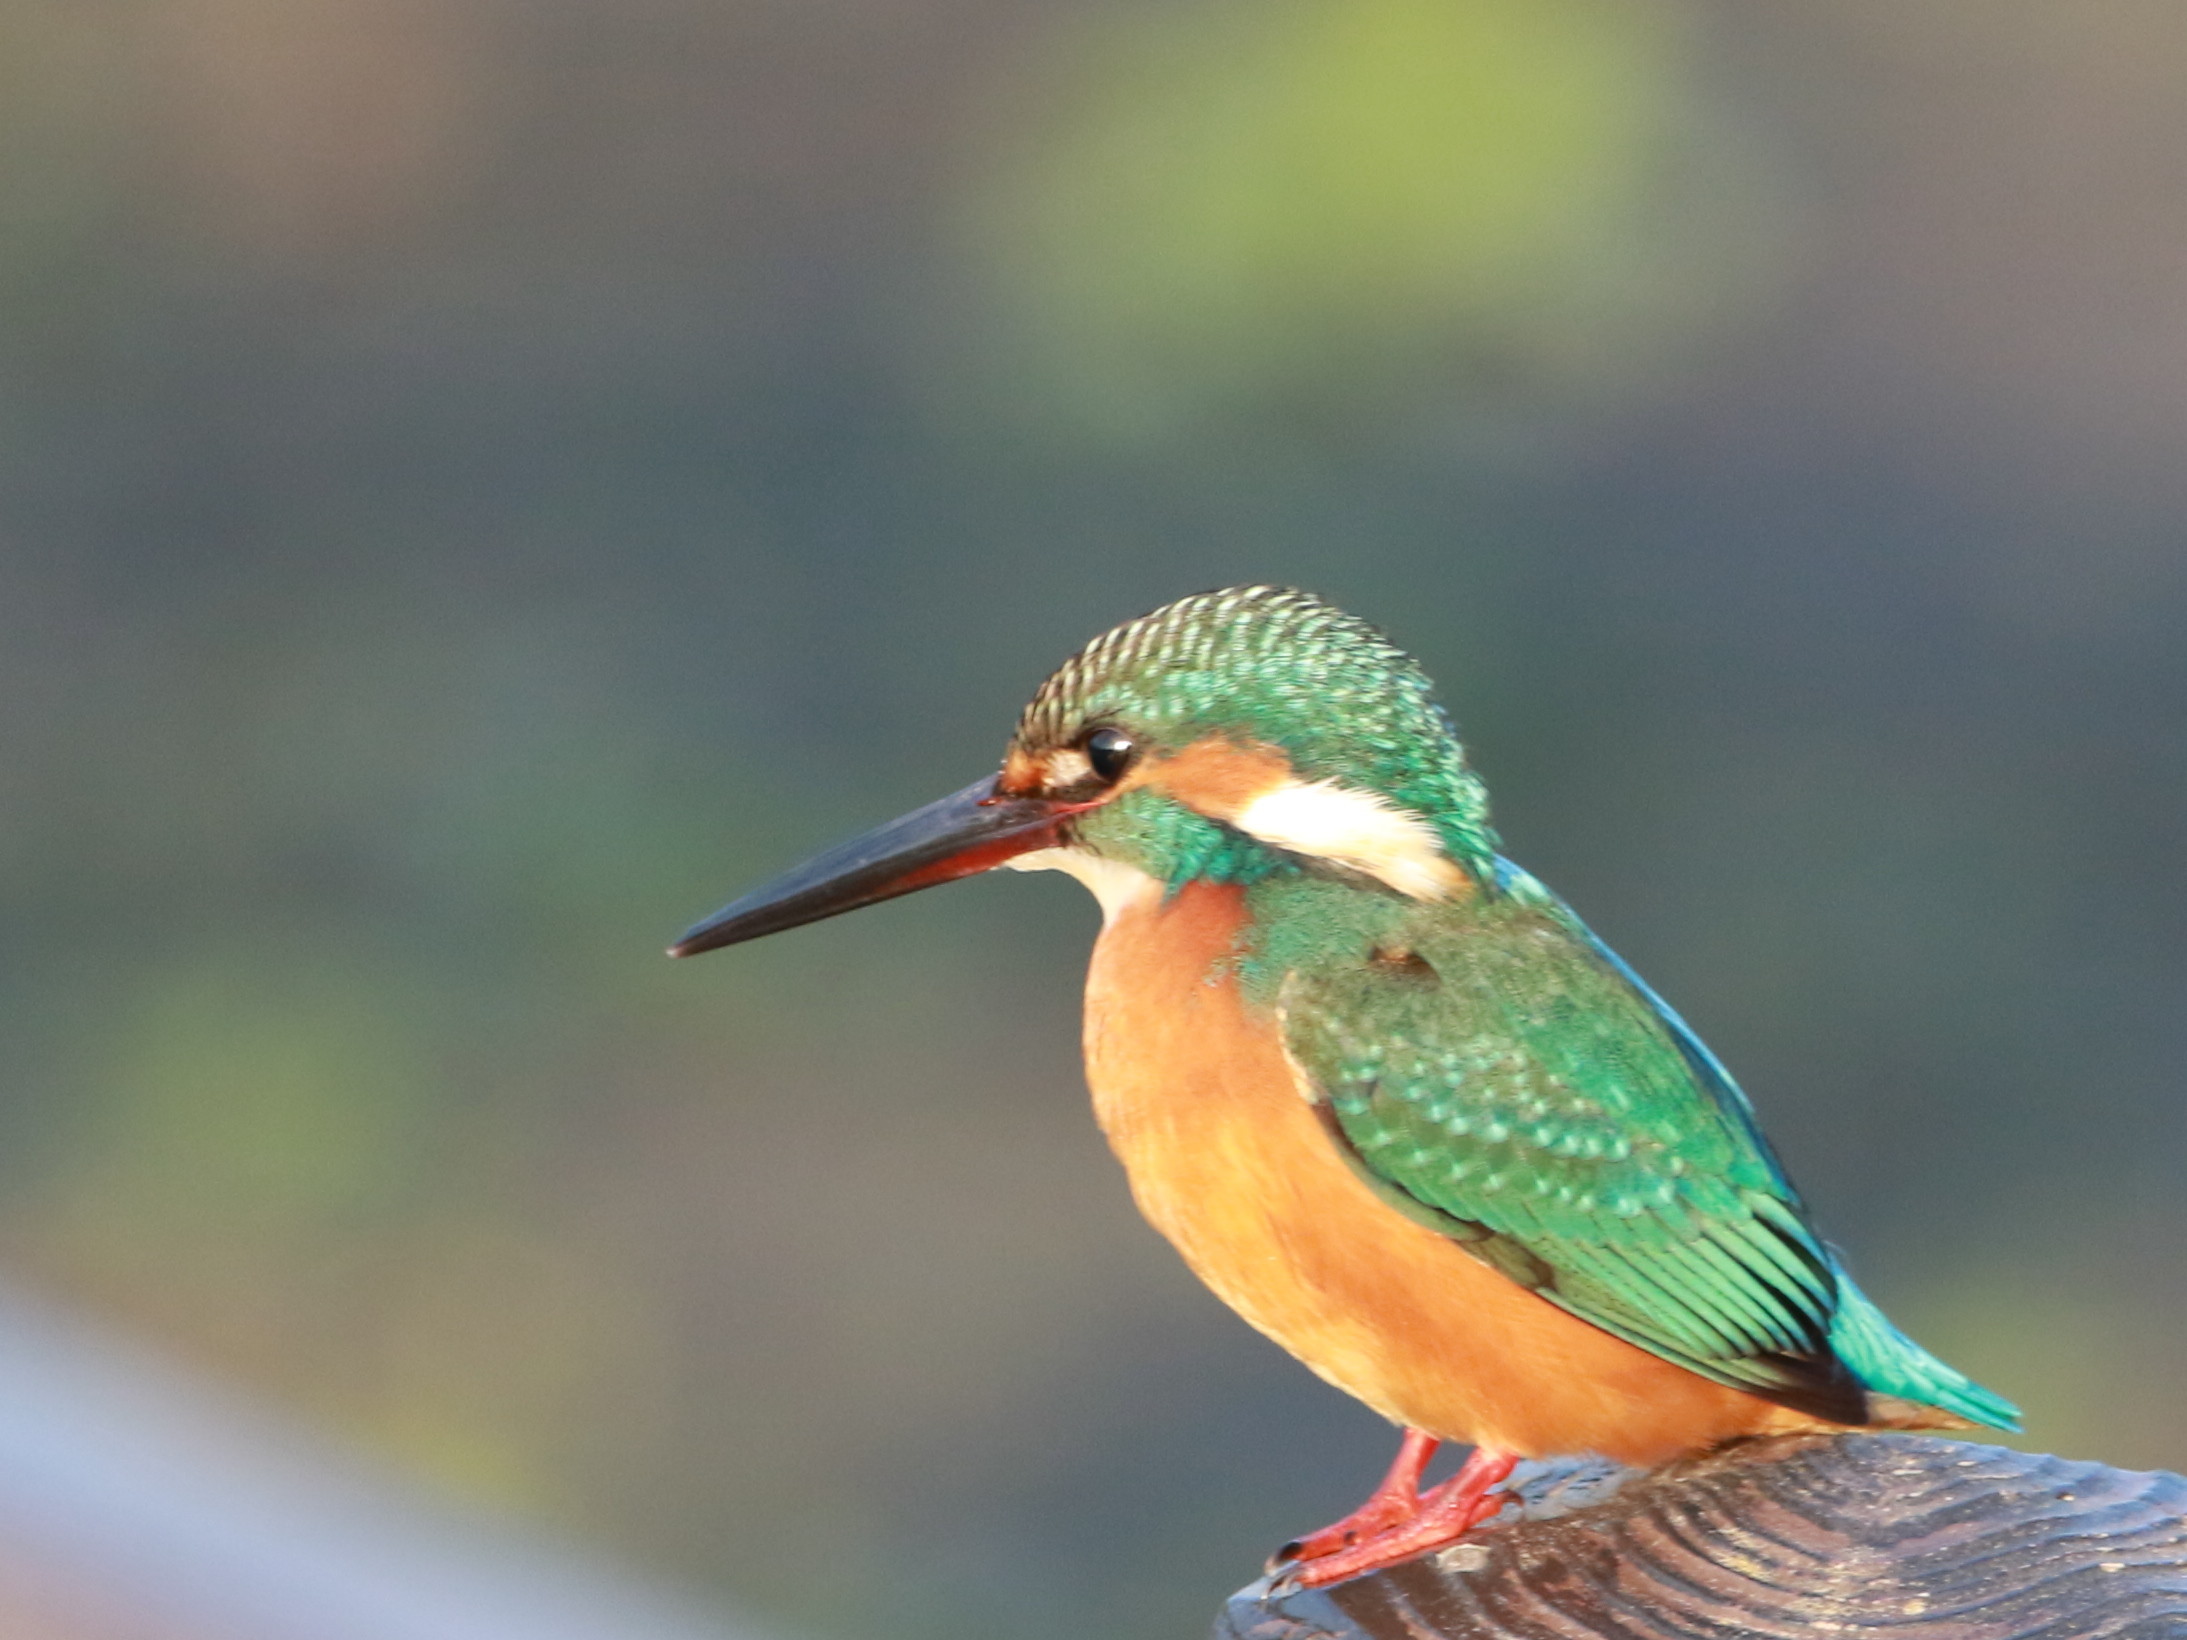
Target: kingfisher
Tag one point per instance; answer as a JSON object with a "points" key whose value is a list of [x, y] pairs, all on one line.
{"points": [[1382, 1089]]}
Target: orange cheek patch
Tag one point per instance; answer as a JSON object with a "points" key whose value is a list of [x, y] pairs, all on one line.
{"points": [[1218, 778], [1022, 774]]}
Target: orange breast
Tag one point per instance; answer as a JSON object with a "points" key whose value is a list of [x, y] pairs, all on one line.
{"points": [[1230, 1162]]}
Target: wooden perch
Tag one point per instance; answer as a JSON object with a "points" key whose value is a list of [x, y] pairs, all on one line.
{"points": [[1808, 1536]]}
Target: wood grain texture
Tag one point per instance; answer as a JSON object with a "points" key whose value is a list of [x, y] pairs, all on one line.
{"points": [[1798, 1537]]}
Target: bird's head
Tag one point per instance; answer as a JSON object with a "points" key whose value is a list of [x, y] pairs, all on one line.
{"points": [[1225, 737]]}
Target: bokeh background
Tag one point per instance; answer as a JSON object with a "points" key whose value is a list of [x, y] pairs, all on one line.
{"points": [[481, 482]]}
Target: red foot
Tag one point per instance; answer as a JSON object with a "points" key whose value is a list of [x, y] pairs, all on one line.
{"points": [[1443, 1516], [1395, 1501]]}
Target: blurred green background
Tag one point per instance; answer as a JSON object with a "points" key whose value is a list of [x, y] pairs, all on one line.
{"points": [[480, 483]]}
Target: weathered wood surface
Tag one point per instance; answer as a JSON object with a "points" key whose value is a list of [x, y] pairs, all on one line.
{"points": [[1807, 1538]]}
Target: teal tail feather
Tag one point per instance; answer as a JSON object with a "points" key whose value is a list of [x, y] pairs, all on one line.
{"points": [[1890, 1363]]}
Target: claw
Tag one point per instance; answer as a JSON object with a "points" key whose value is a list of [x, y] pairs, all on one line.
{"points": [[1443, 1516], [1393, 1502]]}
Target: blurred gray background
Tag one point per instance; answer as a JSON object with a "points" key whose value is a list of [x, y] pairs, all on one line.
{"points": [[481, 483]]}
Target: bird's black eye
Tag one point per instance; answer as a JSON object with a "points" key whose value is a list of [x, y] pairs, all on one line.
{"points": [[1109, 753]]}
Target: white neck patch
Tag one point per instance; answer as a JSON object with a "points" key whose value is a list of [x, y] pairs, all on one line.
{"points": [[1358, 830], [1117, 886]]}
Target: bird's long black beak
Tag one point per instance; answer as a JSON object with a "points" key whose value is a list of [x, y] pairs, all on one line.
{"points": [[967, 832]]}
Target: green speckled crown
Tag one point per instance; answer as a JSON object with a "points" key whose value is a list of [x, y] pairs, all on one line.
{"points": [[1279, 667]]}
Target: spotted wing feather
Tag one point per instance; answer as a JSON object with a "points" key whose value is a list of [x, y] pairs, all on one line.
{"points": [[1524, 1093]]}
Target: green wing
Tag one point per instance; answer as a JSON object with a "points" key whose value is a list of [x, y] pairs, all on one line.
{"points": [[1493, 1069]]}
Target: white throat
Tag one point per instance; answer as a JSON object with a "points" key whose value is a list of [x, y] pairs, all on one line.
{"points": [[1119, 887]]}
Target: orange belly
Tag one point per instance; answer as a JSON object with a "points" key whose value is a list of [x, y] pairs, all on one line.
{"points": [[1230, 1162]]}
